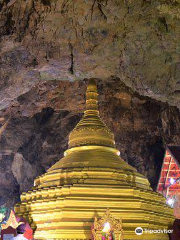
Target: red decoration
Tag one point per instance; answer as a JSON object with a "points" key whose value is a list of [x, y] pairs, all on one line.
{"points": [[28, 230], [13, 222], [169, 181], [10, 231]]}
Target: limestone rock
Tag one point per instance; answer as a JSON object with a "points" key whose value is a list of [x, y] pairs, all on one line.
{"points": [[42, 119], [137, 41], [132, 47], [23, 172]]}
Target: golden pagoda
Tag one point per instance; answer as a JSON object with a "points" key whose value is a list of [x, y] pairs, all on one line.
{"points": [[88, 180]]}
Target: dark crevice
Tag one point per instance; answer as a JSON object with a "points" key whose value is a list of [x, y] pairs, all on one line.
{"points": [[92, 9], [9, 24], [43, 117], [65, 6], [46, 2], [72, 59], [100, 9], [1, 6], [163, 24]]}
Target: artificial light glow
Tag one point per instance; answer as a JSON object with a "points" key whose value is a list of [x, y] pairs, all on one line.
{"points": [[1, 216], [170, 202], [106, 228], [172, 181]]}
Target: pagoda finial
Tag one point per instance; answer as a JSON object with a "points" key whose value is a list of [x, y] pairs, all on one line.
{"points": [[91, 130], [91, 96]]}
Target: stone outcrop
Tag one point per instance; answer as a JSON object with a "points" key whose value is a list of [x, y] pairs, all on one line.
{"points": [[67, 40]]}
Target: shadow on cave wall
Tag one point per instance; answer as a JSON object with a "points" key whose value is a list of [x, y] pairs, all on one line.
{"points": [[49, 140]]}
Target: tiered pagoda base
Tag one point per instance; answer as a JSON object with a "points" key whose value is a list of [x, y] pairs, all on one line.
{"points": [[90, 178]]}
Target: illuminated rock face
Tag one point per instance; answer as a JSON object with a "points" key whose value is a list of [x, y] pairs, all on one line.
{"points": [[42, 41], [90, 178], [43, 118], [137, 41]]}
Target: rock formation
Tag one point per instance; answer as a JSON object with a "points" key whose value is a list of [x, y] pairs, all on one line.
{"points": [[48, 48]]}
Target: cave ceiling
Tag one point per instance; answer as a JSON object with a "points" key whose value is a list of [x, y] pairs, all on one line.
{"points": [[48, 50]]}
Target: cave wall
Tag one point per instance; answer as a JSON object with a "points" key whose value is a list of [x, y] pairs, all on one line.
{"points": [[136, 41], [37, 133], [48, 48]]}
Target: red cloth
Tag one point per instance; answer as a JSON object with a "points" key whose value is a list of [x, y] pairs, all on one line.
{"points": [[28, 234], [28, 230]]}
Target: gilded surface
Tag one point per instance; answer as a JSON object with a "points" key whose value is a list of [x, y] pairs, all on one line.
{"points": [[115, 225], [91, 130], [12, 222], [90, 178]]}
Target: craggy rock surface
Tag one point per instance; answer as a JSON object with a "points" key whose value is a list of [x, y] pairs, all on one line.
{"points": [[132, 47], [137, 41], [42, 119]]}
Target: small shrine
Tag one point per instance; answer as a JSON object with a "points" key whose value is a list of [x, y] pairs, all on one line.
{"points": [[8, 230], [107, 228], [9, 222], [169, 181]]}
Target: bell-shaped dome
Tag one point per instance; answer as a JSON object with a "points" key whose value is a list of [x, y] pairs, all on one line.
{"points": [[91, 143], [91, 130]]}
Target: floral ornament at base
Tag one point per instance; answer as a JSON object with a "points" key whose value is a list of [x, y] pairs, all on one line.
{"points": [[107, 228]]}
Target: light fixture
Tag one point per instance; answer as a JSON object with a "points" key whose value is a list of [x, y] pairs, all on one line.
{"points": [[106, 228], [170, 202], [172, 181]]}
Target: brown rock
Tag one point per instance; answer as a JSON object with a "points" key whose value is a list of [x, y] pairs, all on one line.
{"points": [[46, 45], [43, 118]]}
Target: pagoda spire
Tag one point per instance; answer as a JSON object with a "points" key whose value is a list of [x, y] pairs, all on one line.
{"points": [[91, 130], [92, 97]]}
